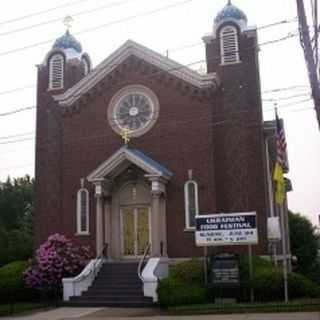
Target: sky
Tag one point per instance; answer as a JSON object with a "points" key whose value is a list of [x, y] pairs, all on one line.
{"points": [[176, 26]]}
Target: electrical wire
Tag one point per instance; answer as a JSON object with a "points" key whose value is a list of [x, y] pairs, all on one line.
{"points": [[169, 50], [16, 111], [290, 35], [30, 15], [17, 135], [84, 12], [142, 14]]}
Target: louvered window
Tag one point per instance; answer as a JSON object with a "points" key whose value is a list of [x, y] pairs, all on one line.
{"points": [[229, 45], [83, 211], [56, 72], [191, 203]]}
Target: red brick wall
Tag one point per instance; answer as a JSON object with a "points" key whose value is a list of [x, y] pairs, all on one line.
{"points": [[220, 139]]}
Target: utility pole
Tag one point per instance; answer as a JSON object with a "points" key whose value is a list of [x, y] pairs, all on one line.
{"points": [[308, 54]]}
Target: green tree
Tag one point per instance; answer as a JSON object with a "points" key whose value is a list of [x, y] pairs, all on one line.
{"points": [[304, 242], [16, 219]]}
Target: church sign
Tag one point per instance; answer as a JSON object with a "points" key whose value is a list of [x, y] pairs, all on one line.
{"points": [[226, 229]]}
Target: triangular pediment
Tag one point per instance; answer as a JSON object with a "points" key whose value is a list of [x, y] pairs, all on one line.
{"points": [[125, 157], [131, 48]]}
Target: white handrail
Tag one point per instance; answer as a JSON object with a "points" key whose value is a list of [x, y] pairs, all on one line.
{"points": [[146, 251]]}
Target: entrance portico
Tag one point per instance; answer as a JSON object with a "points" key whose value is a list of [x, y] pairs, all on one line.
{"points": [[130, 190]]}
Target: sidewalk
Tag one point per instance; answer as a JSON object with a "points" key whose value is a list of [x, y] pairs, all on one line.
{"points": [[67, 313]]}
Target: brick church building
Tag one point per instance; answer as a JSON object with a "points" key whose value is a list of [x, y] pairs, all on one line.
{"points": [[198, 143]]}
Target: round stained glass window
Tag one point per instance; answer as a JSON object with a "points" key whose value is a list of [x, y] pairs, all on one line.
{"points": [[135, 108]]}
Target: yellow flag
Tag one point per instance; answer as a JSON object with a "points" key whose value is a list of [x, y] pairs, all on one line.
{"points": [[280, 183]]}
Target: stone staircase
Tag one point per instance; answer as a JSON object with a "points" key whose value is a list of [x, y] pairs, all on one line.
{"points": [[116, 285]]}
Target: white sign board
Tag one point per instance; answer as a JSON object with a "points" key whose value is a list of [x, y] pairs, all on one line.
{"points": [[226, 229]]}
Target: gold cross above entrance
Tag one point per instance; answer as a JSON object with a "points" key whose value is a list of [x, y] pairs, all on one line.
{"points": [[125, 135]]}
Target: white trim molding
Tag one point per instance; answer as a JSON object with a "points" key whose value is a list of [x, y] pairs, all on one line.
{"points": [[131, 48], [80, 230], [122, 159]]}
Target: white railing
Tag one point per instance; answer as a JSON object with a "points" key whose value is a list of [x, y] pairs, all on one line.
{"points": [[141, 262], [76, 285], [155, 270]]}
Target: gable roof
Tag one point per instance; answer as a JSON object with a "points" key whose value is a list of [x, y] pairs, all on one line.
{"points": [[128, 49], [127, 155]]}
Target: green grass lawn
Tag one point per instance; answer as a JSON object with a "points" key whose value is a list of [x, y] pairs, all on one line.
{"points": [[296, 306], [5, 309]]}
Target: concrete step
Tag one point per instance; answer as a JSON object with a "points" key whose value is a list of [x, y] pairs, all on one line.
{"points": [[114, 304]]}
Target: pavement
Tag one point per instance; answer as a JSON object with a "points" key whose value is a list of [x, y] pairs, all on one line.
{"points": [[67, 313]]}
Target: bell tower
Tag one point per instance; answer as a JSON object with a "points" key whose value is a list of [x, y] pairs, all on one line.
{"points": [[232, 53], [64, 66]]}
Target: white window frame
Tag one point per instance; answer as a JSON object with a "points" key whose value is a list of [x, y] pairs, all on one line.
{"points": [[56, 72], [186, 203], [229, 55], [79, 229], [86, 66]]}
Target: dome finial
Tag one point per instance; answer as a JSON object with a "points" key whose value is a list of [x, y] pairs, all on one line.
{"points": [[67, 21]]}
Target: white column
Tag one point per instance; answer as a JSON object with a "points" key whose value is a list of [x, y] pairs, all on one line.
{"points": [[155, 224], [99, 218], [163, 218], [107, 224]]}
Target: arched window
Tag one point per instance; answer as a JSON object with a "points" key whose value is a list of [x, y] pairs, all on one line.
{"points": [[191, 203], [83, 211], [229, 45], [56, 72]]}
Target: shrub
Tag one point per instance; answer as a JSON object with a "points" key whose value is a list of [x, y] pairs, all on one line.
{"points": [[268, 282], [300, 286], [55, 259], [12, 286], [190, 271], [174, 292]]}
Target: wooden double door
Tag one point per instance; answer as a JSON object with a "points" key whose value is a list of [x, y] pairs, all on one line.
{"points": [[135, 230]]}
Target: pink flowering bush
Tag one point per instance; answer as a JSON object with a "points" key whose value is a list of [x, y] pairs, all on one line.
{"points": [[55, 259]]}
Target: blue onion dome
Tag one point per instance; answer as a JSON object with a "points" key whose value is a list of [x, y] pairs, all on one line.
{"points": [[230, 12], [68, 41]]}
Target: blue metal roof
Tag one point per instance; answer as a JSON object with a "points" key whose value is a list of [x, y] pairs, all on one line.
{"points": [[230, 11], [67, 41], [150, 161]]}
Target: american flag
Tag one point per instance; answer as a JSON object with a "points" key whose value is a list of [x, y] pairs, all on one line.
{"points": [[281, 143]]}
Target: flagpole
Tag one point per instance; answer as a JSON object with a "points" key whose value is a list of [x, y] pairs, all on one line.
{"points": [[284, 255], [280, 198]]}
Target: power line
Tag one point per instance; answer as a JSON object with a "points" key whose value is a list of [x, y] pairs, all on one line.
{"points": [[287, 98], [17, 89], [72, 3], [142, 14], [18, 167], [290, 104], [175, 122], [16, 111], [17, 135], [84, 12], [290, 35], [169, 50], [285, 88], [18, 140]]}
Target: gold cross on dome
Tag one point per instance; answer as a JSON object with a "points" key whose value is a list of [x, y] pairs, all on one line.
{"points": [[125, 135]]}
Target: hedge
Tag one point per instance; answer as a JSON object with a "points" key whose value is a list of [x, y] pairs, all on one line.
{"points": [[174, 292], [12, 286], [185, 284]]}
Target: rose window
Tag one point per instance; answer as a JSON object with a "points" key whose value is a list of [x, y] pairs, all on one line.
{"points": [[135, 108]]}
